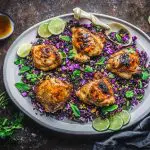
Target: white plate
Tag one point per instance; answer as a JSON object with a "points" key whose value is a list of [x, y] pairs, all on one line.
{"points": [[10, 72]]}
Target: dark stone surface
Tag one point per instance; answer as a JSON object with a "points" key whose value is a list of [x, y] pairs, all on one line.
{"points": [[28, 12]]}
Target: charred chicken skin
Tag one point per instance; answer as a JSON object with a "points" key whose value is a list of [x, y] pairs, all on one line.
{"points": [[53, 93], [124, 63], [86, 44], [46, 57], [98, 92]]}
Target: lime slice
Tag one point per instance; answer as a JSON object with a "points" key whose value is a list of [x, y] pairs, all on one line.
{"points": [[56, 26], [43, 30], [116, 123], [100, 124], [24, 50], [125, 115]]}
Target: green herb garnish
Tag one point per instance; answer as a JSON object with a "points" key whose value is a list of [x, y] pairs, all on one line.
{"points": [[71, 54], [127, 105], [63, 54], [88, 69], [98, 28], [111, 75], [129, 94], [22, 86], [118, 38], [131, 50], [107, 109], [3, 100], [76, 73], [140, 84], [100, 61], [19, 61], [140, 96], [32, 77], [65, 38], [145, 75], [24, 69], [7, 126], [75, 110]]}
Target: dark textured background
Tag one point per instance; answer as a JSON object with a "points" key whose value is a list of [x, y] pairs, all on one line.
{"points": [[29, 12]]}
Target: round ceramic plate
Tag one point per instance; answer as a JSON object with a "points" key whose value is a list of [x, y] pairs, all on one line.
{"points": [[11, 77]]}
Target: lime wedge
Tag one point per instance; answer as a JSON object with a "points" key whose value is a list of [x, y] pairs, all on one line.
{"points": [[116, 123], [100, 124], [125, 115], [24, 50], [43, 30], [56, 26]]}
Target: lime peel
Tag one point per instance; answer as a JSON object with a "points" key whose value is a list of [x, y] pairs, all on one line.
{"points": [[100, 124], [43, 30], [125, 115], [116, 123], [24, 50], [56, 26]]}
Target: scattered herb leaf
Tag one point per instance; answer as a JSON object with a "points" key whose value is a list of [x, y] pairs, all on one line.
{"points": [[98, 28], [127, 105], [140, 84], [88, 69], [65, 38], [111, 75], [22, 86], [19, 61], [75, 110], [129, 94], [118, 38], [145, 75], [71, 54], [100, 61], [8, 126], [63, 54], [24, 69], [131, 50], [107, 109], [140, 96], [3, 100], [76, 73]]}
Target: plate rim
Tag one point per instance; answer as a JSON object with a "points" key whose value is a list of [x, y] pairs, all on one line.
{"points": [[38, 120]]}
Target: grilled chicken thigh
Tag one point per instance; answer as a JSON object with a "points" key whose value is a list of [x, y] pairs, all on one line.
{"points": [[98, 92], [53, 93], [86, 44], [46, 57], [124, 63]]}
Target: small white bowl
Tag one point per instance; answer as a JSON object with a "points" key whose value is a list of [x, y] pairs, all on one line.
{"points": [[12, 25]]}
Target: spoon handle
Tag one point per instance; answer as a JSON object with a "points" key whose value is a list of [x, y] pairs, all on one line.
{"points": [[79, 14]]}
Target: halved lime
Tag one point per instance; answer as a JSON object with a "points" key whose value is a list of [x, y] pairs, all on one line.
{"points": [[100, 124], [56, 26], [43, 30], [116, 123], [125, 115], [24, 50]]}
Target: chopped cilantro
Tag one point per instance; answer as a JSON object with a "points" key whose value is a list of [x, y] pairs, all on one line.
{"points": [[145, 75], [75, 110], [88, 69], [129, 94], [140, 84], [65, 38], [24, 69], [118, 38], [111, 75], [22, 86], [71, 54], [100, 61], [110, 108]]}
